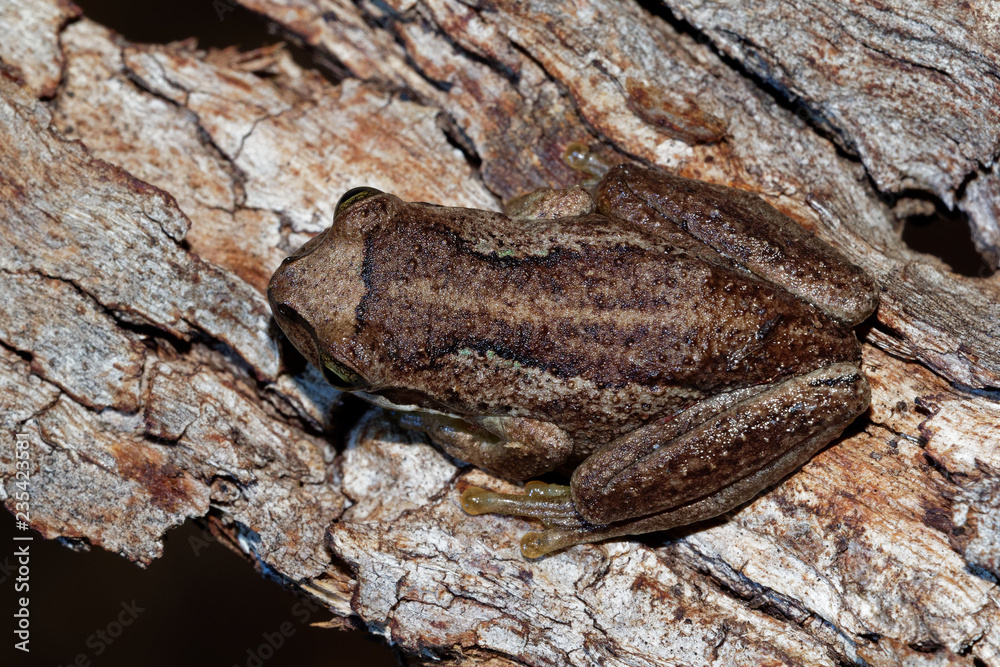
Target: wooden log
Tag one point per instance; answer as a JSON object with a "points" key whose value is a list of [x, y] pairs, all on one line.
{"points": [[148, 191]]}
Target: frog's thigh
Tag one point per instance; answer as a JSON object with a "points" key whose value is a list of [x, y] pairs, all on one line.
{"points": [[746, 229], [511, 447], [721, 463]]}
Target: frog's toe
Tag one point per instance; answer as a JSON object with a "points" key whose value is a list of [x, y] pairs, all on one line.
{"points": [[478, 501], [536, 545], [581, 158], [550, 503]]}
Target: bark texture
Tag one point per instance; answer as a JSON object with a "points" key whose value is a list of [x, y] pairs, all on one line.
{"points": [[147, 192]]}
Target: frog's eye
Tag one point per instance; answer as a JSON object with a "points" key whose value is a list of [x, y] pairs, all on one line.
{"points": [[352, 197], [340, 376]]}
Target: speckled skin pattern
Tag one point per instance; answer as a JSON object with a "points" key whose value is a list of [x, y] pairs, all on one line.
{"points": [[626, 328]]}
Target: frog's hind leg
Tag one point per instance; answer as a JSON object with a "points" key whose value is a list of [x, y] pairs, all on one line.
{"points": [[698, 465]]}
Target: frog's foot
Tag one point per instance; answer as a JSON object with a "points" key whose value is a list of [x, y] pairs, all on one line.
{"points": [[551, 504]]}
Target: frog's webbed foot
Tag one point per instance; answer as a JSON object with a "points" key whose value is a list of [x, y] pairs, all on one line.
{"points": [[551, 504]]}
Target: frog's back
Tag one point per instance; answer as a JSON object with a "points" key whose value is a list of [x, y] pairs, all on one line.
{"points": [[544, 318]]}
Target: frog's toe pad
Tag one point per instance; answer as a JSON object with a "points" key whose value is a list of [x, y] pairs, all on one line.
{"points": [[478, 501], [536, 545]]}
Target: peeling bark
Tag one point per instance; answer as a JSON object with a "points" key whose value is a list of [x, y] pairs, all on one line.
{"points": [[148, 191], [925, 70], [38, 57]]}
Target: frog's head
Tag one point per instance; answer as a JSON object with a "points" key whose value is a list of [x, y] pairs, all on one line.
{"points": [[316, 292]]}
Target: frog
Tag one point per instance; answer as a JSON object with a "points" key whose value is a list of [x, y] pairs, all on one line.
{"points": [[671, 346]]}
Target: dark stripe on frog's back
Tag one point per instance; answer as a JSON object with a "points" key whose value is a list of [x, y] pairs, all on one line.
{"points": [[608, 311]]}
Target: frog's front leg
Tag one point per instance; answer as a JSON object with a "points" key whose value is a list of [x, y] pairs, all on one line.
{"points": [[512, 447], [658, 478]]}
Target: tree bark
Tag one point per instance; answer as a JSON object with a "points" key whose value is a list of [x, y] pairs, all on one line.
{"points": [[147, 192]]}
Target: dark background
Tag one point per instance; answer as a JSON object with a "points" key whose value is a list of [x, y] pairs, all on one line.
{"points": [[202, 604]]}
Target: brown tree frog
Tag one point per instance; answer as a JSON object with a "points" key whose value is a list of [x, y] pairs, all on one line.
{"points": [[676, 345]]}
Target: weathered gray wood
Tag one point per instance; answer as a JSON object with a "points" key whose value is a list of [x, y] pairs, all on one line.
{"points": [[910, 87], [29, 39], [148, 191]]}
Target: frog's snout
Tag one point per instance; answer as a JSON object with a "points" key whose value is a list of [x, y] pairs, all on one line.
{"points": [[296, 330], [281, 297], [277, 295]]}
